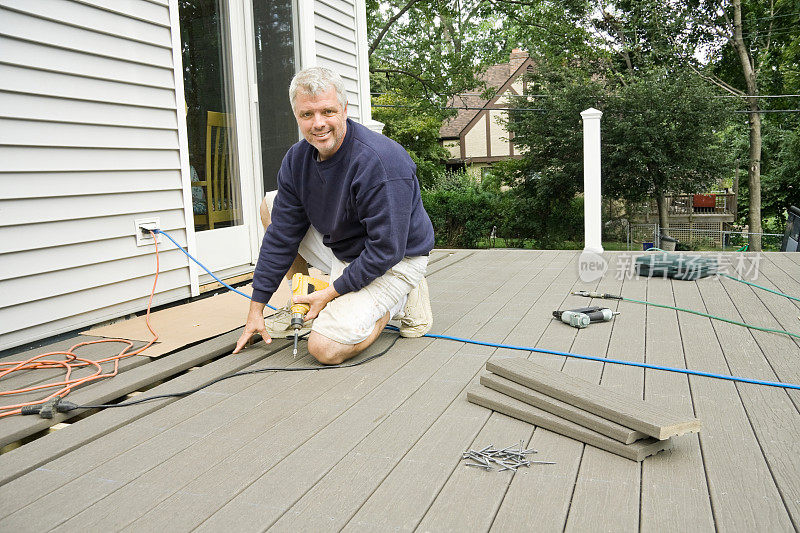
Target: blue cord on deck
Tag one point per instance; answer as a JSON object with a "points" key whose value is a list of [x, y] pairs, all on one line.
{"points": [[542, 350], [167, 235], [621, 362]]}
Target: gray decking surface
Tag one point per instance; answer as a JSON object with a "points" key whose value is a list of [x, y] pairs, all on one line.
{"points": [[378, 447]]}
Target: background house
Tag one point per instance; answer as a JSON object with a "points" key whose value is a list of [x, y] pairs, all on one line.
{"points": [[474, 137], [163, 110]]}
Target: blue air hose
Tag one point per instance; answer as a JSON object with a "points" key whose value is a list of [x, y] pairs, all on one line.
{"points": [[542, 350], [167, 235]]}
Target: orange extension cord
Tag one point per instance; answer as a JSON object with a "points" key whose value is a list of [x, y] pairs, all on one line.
{"points": [[72, 362]]}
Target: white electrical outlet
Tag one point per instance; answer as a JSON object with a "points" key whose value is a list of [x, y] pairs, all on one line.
{"points": [[143, 237]]}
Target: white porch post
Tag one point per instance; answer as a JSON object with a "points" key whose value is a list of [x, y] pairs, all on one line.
{"points": [[592, 223]]}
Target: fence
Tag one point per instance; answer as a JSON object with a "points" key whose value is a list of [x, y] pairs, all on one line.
{"points": [[688, 204], [645, 234]]}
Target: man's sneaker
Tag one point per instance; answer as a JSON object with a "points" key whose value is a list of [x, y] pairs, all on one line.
{"points": [[418, 318], [279, 324]]}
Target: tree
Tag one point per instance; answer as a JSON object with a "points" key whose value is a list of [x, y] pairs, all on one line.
{"points": [[742, 47], [416, 129], [660, 136]]}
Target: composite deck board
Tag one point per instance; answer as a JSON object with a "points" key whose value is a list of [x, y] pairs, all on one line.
{"points": [[216, 446], [564, 410], [780, 351], [386, 438], [603, 477], [114, 460], [235, 468], [771, 411], [674, 487], [279, 479], [396, 435], [648, 418], [497, 401], [438, 392], [45, 449], [481, 491], [732, 459], [242, 417], [790, 264], [552, 488], [135, 376], [781, 281], [437, 454], [784, 312]]}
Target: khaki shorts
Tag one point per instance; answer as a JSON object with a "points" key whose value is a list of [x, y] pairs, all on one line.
{"points": [[350, 318]]}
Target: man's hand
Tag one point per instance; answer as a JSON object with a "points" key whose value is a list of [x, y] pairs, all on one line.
{"points": [[255, 324], [317, 300]]}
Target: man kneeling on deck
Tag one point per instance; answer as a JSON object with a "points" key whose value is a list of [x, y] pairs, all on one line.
{"points": [[348, 202]]}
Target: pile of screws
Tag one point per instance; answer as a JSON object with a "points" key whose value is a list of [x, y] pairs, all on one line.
{"points": [[509, 458]]}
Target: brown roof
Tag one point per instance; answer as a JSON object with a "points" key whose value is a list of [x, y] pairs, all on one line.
{"points": [[495, 77]]}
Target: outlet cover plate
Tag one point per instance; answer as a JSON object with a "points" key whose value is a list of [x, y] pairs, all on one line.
{"points": [[144, 238]]}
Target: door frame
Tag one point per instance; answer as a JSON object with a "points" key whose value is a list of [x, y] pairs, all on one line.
{"points": [[232, 250]]}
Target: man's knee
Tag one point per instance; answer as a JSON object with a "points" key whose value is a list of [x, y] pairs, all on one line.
{"points": [[264, 211], [326, 351]]}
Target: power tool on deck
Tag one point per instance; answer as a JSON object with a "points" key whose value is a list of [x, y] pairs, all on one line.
{"points": [[302, 285], [582, 317]]}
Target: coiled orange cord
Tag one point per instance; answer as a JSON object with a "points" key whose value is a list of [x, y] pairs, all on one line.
{"points": [[72, 362]]}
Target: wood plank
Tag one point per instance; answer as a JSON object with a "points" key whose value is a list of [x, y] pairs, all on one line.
{"points": [[295, 450], [305, 444], [91, 486], [37, 453], [561, 409], [431, 470], [474, 495], [742, 490], [99, 458], [638, 415], [256, 403], [772, 413], [674, 486], [607, 487], [362, 468], [107, 390], [471, 496], [336, 450], [517, 409]]}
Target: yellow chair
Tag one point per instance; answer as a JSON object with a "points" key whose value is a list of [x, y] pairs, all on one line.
{"points": [[222, 203]]}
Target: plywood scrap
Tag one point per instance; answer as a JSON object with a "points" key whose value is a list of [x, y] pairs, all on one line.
{"points": [[630, 412], [564, 410], [501, 403]]}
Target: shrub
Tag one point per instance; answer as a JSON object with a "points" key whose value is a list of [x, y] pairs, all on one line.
{"points": [[462, 213]]}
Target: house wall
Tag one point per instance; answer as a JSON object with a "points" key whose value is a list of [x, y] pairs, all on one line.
{"points": [[89, 141], [337, 30], [454, 147], [475, 139], [499, 134], [92, 137]]}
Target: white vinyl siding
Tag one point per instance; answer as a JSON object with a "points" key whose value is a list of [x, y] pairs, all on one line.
{"points": [[337, 47], [89, 142], [92, 137]]}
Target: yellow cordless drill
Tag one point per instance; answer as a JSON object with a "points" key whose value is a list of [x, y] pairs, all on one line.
{"points": [[302, 285]]}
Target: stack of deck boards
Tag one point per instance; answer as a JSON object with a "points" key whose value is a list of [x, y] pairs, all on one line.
{"points": [[578, 409]]}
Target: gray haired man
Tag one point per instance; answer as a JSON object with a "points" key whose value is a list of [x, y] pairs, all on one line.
{"points": [[348, 202]]}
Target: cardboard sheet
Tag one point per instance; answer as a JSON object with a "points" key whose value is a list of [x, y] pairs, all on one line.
{"points": [[186, 324]]}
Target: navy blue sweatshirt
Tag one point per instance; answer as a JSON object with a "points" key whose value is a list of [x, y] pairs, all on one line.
{"points": [[364, 200]]}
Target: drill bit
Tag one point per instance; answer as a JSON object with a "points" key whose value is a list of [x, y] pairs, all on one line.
{"points": [[294, 352]]}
